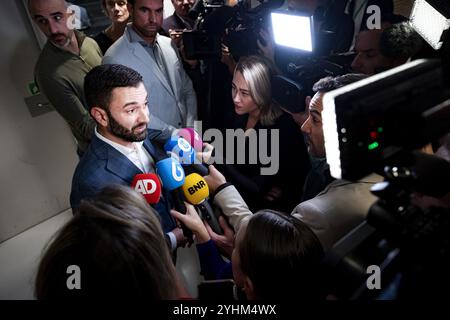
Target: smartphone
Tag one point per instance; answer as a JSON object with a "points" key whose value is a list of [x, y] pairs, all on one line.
{"points": [[218, 290]]}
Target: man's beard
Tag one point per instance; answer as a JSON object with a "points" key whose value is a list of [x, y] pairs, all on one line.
{"points": [[121, 132], [68, 40]]}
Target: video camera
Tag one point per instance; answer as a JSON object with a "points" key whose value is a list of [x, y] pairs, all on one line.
{"points": [[304, 59], [377, 125], [237, 27]]}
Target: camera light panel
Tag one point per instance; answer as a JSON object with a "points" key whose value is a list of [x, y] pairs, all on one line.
{"points": [[429, 23], [293, 31]]}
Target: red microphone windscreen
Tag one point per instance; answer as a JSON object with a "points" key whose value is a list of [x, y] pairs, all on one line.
{"points": [[149, 185]]}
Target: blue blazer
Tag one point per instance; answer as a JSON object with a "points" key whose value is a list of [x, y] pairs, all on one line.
{"points": [[102, 165]]}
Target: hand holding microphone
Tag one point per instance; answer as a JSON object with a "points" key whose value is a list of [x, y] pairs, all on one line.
{"points": [[196, 192], [193, 221], [214, 179]]}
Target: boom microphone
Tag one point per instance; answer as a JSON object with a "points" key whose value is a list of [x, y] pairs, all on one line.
{"points": [[196, 192], [149, 186]]}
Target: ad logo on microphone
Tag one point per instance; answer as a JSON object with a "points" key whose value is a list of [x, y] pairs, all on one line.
{"points": [[146, 186]]}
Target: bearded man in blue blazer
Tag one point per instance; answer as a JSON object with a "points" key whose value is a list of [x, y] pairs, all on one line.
{"points": [[122, 145]]}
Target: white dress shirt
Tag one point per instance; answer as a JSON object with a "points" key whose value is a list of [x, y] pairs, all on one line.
{"points": [[137, 154], [141, 159]]}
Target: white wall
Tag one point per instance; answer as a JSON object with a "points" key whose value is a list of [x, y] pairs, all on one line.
{"points": [[37, 155], [37, 159]]}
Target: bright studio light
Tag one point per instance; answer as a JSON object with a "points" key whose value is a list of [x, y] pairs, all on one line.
{"points": [[293, 31], [429, 22]]}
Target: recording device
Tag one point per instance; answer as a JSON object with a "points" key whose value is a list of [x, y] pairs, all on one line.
{"points": [[192, 137], [181, 150], [198, 45], [237, 26], [375, 125], [290, 91], [218, 290], [304, 57], [288, 94], [149, 186], [366, 123], [172, 177], [201, 43], [294, 31], [196, 192]]}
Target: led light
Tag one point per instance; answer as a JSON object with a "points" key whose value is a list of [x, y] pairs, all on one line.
{"points": [[429, 22], [331, 136], [330, 130], [373, 145], [292, 31]]}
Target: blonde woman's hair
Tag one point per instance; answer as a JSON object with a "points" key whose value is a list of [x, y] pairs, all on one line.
{"points": [[257, 72]]}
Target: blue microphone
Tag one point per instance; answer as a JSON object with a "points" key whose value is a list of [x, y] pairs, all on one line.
{"points": [[171, 173], [173, 177], [179, 148]]}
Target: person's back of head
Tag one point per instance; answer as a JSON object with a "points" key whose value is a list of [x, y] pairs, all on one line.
{"points": [[369, 59], [400, 42], [280, 255], [117, 247]]}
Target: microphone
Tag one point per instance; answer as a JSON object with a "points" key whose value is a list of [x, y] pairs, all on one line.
{"points": [[148, 185], [191, 136], [179, 148], [196, 192], [172, 177]]}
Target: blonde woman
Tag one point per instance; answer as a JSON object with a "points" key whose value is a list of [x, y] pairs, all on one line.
{"points": [[256, 113]]}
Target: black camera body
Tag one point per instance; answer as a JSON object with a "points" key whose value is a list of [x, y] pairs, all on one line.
{"points": [[400, 110], [237, 27]]}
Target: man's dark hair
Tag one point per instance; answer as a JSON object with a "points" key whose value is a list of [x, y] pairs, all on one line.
{"points": [[102, 80], [400, 41], [330, 83]]}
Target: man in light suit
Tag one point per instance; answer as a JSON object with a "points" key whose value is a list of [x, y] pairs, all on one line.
{"points": [[122, 146], [173, 102]]}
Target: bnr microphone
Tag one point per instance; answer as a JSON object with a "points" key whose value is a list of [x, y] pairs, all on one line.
{"points": [[196, 192], [149, 186], [172, 177]]}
